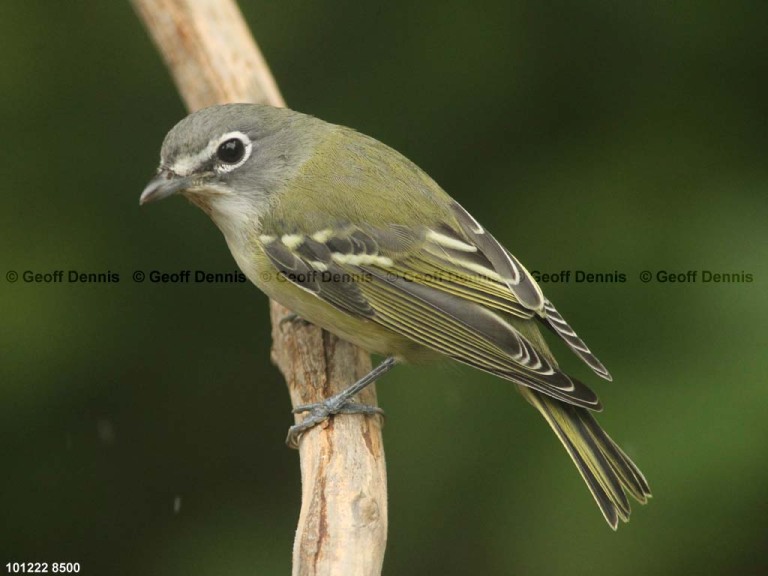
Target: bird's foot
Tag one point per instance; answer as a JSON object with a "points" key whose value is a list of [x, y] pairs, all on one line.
{"points": [[340, 403]]}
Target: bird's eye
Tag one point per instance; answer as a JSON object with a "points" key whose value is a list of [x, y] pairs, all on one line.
{"points": [[231, 151]]}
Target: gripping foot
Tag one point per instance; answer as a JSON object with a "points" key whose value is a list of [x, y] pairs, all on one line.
{"points": [[337, 404]]}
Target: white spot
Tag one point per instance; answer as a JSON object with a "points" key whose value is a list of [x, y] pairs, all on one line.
{"points": [[362, 260], [292, 241], [267, 238], [449, 242], [323, 235], [319, 266]]}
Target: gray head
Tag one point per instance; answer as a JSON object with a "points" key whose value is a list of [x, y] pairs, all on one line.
{"points": [[229, 159]]}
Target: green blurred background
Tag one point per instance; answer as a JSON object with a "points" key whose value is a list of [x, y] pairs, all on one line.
{"points": [[142, 425]]}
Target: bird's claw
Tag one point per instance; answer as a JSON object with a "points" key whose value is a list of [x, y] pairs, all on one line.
{"points": [[320, 412]]}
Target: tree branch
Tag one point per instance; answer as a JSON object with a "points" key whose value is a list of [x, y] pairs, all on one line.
{"points": [[342, 526]]}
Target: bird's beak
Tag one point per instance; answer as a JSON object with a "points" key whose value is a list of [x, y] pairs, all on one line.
{"points": [[165, 184]]}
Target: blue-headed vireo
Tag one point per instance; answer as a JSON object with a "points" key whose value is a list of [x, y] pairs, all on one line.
{"points": [[354, 237]]}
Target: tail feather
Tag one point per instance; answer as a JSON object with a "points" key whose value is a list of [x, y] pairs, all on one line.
{"points": [[606, 469]]}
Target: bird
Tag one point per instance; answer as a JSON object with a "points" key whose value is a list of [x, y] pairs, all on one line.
{"points": [[352, 236]]}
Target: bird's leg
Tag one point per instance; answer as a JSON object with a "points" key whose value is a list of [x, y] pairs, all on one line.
{"points": [[338, 404], [290, 318]]}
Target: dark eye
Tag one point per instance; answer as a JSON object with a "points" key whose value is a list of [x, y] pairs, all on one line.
{"points": [[231, 151]]}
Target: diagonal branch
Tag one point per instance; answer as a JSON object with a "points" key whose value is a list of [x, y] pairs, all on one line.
{"points": [[342, 526]]}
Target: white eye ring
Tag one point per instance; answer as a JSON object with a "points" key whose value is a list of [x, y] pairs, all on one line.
{"points": [[223, 166]]}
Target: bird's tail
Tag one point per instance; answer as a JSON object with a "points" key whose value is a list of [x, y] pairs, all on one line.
{"points": [[608, 472]]}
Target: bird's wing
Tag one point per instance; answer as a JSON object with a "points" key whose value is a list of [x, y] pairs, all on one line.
{"points": [[453, 289], [524, 287]]}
